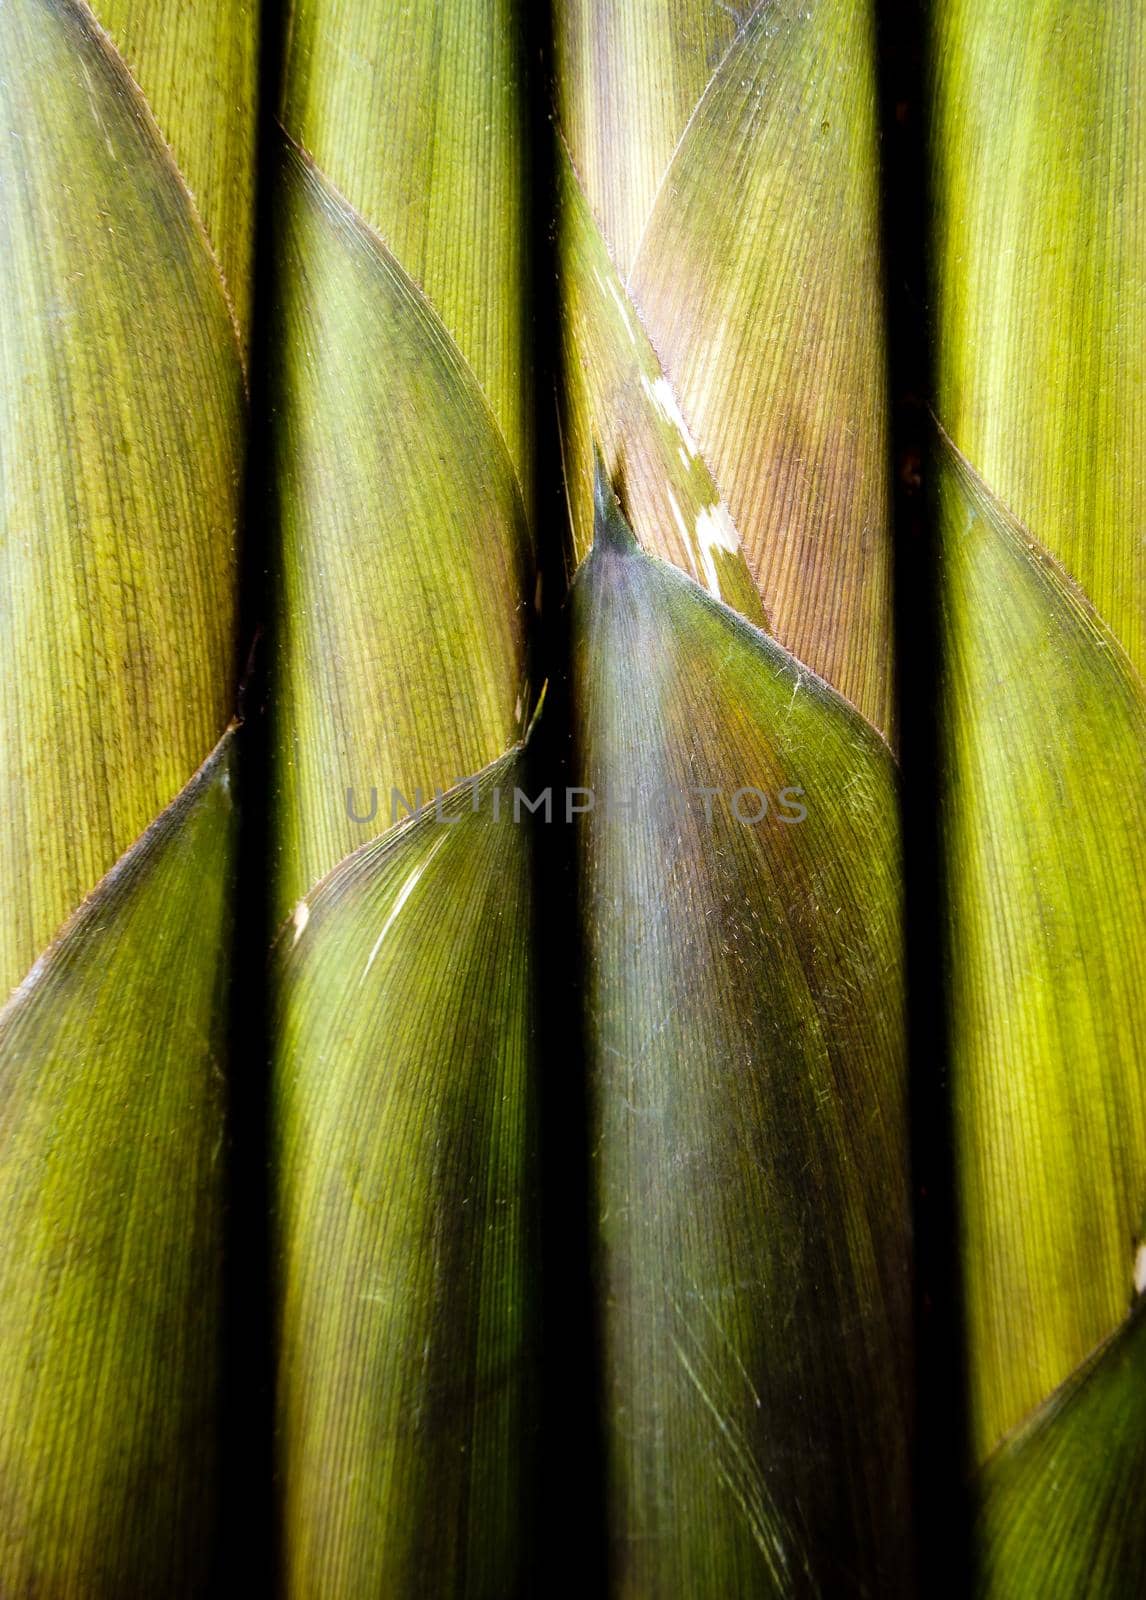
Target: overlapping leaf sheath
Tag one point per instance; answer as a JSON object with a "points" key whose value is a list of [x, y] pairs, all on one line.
{"points": [[1040, 251], [744, 993], [732, 361], [723, 340], [121, 388], [403, 1085], [1057, 1511]]}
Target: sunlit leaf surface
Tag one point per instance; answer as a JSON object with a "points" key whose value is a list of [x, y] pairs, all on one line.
{"points": [[404, 545], [1040, 187], [197, 63], [617, 399], [122, 422], [417, 113]]}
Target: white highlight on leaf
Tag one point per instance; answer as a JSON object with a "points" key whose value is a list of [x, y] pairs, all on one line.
{"points": [[684, 533], [622, 304], [660, 393], [404, 894], [624, 310], [93, 103], [714, 531], [1140, 1269], [299, 921]]}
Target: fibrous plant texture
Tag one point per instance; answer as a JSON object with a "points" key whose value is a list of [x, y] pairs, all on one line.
{"points": [[721, 292], [1040, 201], [126, 168], [404, 1075]]}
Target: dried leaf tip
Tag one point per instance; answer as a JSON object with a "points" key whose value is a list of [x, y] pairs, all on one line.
{"points": [[610, 530]]}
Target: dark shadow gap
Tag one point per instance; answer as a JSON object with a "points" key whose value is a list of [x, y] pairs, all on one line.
{"points": [[941, 1428], [249, 1546], [571, 1533]]}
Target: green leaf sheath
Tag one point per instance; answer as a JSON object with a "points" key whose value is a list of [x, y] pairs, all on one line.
{"points": [[400, 630], [748, 1129], [1058, 1508], [1040, 201], [122, 407], [1040, 189], [723, 340], [406, 1134], [416, 114], [732, 173], [198, 63], [1044, 815], [403, 1054], [111, 1211], [122, 418]]}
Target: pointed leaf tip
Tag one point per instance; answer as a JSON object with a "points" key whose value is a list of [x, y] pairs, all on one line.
{"points": [[742, 1007], [610, 529]]}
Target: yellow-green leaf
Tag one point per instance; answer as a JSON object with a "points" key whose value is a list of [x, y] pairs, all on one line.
{"points": [[403, 1070], [1039, 202], [1044, 812], [405, 1155], [748, 1129], [1040, 188], [417, 113], [196, 61], [111, 1207], [121, 422], [1058, 1507], [405, 554]]}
